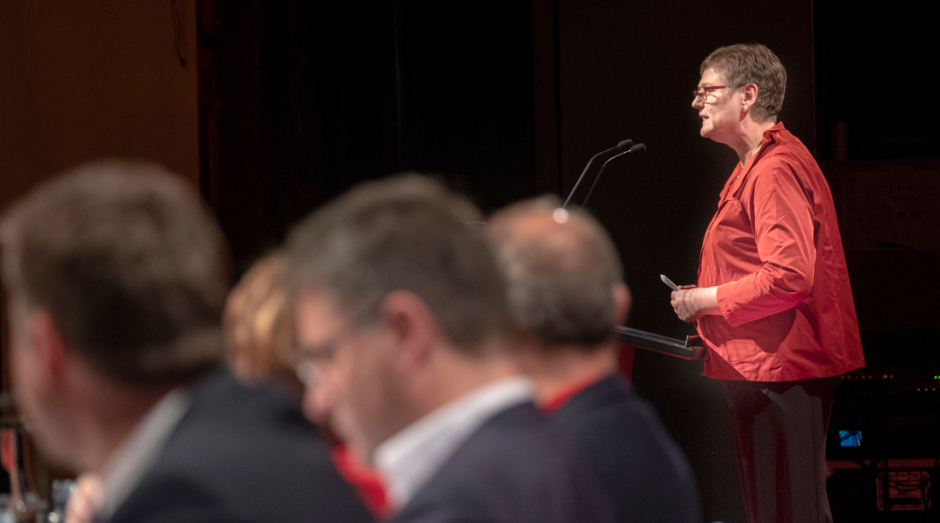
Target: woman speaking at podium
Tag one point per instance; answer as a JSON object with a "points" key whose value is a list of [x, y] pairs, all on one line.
{"points": [[773, 302]]}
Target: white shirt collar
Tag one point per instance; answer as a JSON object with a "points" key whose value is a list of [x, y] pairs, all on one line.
{"points": [[412, 456], [129, 461]]}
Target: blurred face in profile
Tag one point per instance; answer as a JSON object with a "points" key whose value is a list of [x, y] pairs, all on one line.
{"points": [[37, 383], [347, 372]]}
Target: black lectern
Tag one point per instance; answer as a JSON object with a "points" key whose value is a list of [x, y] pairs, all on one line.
{"points": [[689, 349]]}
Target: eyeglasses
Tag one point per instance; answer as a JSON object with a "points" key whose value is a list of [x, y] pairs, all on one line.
{"points": [[706, 94], [309, 371], [311, 362]]}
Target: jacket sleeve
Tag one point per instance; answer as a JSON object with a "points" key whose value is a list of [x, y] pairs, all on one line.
{"points": [[781, 214]]}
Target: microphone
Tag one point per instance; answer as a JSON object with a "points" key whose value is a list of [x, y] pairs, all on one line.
{"points": [[635, 149], [621, 145]]}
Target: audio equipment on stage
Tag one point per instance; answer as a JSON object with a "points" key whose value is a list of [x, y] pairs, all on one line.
{"points": [[619, 147], [883, 412], [635, 149]]}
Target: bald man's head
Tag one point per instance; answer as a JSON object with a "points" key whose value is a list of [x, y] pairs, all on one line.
{"points": [[564, 278]]}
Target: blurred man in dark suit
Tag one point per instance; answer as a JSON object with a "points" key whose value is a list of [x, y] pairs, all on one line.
{"points": [[400, 312], [116, 279], [566, 292]]}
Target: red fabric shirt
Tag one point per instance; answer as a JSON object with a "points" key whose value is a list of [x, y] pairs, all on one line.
{"points": [[774, 251], [366, 481]]}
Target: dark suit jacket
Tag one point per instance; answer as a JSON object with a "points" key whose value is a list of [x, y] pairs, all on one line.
{"points": [[517, 468], [636, 460], [241, 455]]}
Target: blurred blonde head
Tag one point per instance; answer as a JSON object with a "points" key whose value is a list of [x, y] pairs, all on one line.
{"points": [[258, 332]]}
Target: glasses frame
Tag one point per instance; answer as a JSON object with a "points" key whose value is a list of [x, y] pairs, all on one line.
{"points": [[704, 92], [310, 363]]}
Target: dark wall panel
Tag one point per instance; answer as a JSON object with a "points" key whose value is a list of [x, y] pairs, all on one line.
{"points": [[305, 96], [466, 83], [312, 98]]}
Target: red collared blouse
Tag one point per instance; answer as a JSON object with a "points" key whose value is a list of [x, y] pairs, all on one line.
{"points": [[774, 251]]}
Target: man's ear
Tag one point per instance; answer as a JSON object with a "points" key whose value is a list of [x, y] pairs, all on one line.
{"points": [[49, 347], [622, 302], [412, 326]]}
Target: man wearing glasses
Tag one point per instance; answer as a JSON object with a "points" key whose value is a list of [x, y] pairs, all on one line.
{"points": [[400, 314], [773, 301]]}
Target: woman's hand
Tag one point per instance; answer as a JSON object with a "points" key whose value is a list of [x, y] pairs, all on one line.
{"points": [[691, 303]]}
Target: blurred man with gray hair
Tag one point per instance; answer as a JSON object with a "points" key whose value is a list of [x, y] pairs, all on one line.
{"points": [[566, 292], [400, 319]]}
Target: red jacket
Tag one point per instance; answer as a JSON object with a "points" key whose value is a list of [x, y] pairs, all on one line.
{"points": [[775, 253]]}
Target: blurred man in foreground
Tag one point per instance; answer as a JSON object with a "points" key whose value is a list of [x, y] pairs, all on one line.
{"points": [[400, 312], [566, 292], [117, 278]]}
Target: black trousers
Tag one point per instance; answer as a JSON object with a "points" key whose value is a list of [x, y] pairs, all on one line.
{"points": [[780, 441]]}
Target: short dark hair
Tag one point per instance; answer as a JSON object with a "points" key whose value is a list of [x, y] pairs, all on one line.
{"points": [[403, 233], [131, 267], [560, 283], [743, 64]]}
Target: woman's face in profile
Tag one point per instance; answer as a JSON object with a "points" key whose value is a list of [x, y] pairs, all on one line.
{"points": [[716, 108]]}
